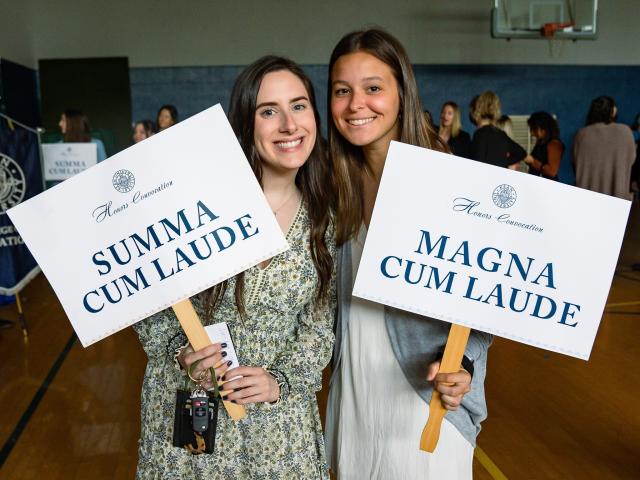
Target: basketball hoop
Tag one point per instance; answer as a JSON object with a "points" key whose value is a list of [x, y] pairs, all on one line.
{"points": [[549, 29]]}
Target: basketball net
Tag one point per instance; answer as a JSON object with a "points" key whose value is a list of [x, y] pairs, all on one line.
{"points": [[556, 46]]}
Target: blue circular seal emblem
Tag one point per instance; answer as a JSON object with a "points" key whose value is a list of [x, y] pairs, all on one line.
{"points": [[123, 181], [504, 196], [12, 183]]}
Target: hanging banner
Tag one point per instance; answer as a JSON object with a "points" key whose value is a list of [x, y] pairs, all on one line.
{"points": [[492, 249], [151, 226], [64, 160], [20, 179]]}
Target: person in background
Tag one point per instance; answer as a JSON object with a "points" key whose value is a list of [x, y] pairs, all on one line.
{"points": [[635, 170], [386, 361], [167, 116], [635, 128], [546, 155], [451, 132], [604, 151], [143, 129], [74, 126], [490, 144], [505, 124]]}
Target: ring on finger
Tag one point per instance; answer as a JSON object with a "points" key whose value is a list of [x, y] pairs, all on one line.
{"points": [[195, 380]]}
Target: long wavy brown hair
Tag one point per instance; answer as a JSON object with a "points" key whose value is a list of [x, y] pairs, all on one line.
{"points": [[311, 179], [348, 160], [77, 126]]}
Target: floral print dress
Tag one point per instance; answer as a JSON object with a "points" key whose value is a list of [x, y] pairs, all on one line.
{"points": [[286, 330]]}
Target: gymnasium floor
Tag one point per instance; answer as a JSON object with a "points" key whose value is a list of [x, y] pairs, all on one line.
{"points": [[73, 413]]}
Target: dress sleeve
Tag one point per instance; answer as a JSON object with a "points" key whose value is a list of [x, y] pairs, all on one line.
{"points": [[478, 345], [306, 355], [157, 333], [102, 153], [516, 152], [476, 148], [465, 144]]}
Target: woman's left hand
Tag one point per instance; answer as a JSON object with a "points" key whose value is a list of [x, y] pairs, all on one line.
{"points": [[255, 386], [452, 386]]}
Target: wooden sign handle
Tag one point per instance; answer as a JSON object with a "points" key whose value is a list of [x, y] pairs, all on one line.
{"points": [[451, 360], [199, 339]]}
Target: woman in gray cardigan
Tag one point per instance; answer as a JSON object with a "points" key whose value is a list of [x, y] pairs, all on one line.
{"points": [[386, 361]]}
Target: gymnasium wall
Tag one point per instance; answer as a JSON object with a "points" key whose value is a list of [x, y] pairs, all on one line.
{"points": [[563, 90], [189, 54], [230, 32], [16, 38]]}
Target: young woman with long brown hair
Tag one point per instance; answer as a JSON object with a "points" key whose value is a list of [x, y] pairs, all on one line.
{"points": [[386, 361], [280, 313], [74, 126]]}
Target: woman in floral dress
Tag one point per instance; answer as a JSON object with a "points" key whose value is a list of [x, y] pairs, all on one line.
{"points": [[280, 313]]}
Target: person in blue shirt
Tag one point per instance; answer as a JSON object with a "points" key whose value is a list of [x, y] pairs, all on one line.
{"points": [[74, 126]]}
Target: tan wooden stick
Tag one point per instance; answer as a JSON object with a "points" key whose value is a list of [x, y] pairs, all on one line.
{"points": [[199, 339], [451, 360]]}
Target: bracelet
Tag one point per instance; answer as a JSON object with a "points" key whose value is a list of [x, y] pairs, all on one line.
{"points": [[282, 381], [176, 355], [175, 342]]}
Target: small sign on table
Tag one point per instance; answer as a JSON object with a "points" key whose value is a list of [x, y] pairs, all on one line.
{"points": [[64, 160]]}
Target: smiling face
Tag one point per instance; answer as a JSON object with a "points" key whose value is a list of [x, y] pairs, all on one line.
{"points": [[446, 116], [365, 101], [165, 120], [284, 123]]}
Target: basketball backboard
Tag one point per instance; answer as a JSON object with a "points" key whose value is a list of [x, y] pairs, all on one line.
{"points": [[566, 19]]}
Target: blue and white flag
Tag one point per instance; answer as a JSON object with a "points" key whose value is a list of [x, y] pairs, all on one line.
{"points": [[20, 179]]}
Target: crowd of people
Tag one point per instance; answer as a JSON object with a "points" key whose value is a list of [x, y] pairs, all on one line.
{"points": [[290, 315], [166, 117], [74, 127], [604, 153]]}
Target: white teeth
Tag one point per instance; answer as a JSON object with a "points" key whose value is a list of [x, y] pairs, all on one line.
{"points": [[360, 121], [291, 144]]}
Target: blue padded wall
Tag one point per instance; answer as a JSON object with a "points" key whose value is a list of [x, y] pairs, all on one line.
{"points": [[565, 91], [192, 89]]}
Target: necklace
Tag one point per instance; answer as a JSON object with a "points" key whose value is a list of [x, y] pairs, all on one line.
{"points": [[275, 211]]}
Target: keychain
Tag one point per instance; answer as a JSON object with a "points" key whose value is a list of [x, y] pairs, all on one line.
{"points": [[196, 415], [200, 415]]}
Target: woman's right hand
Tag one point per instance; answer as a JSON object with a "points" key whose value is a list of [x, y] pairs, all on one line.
{"points": [[212, 356]]}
